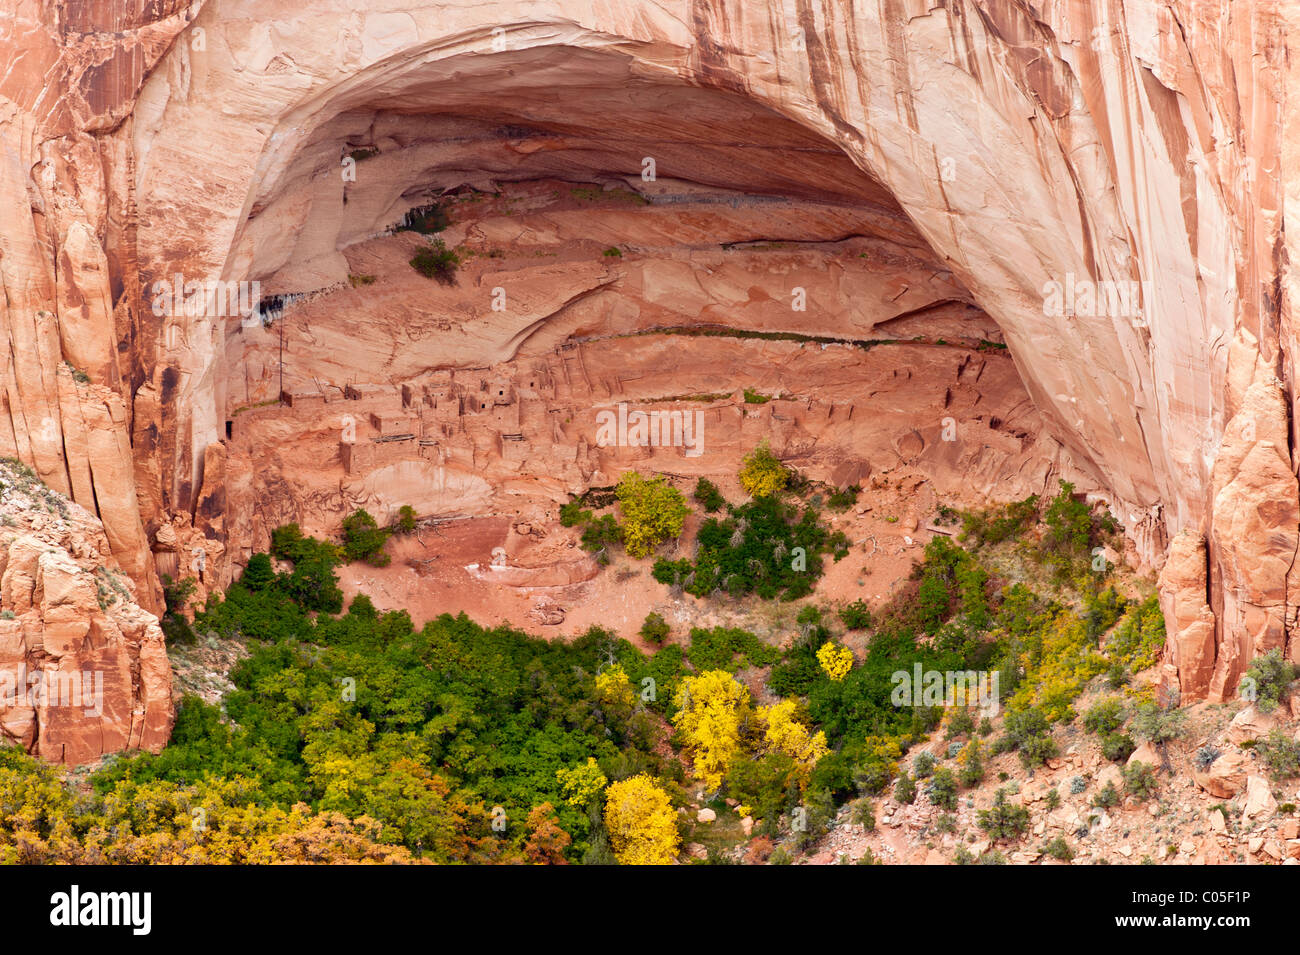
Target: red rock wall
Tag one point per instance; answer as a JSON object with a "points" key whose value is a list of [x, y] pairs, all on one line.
{"points": [[1133, 141]]}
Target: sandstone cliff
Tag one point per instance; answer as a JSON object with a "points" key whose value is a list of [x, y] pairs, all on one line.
{"points": [[83, 668], [1141, 148]]}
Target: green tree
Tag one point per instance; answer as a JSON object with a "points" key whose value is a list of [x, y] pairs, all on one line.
{"points": [[942, 788], [1004, 820], [406, 518], [856, 616], [708, 495], [259, 574], [655, 629], [364, 539]]}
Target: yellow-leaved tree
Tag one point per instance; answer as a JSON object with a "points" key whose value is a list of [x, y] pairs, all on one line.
{"points": [[836, 659], [714, 710], [761, 474], [785, 734], [653, 512], [641, 822], [614, 687], [581, 783]]}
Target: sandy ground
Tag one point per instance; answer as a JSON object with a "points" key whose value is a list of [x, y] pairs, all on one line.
{"points": [[445, 569]]}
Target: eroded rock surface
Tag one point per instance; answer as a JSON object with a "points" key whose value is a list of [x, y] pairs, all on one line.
{"points": [[986, 149], [83, 668]]}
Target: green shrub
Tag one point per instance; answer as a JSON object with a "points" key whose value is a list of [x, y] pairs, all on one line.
{"points": [[259, 574], [1072, 528], [364, 539], [1150, 722], [436, 261], [1140, 780], [764, 547], [819, 813], [1107, 798], [970, 765], [932, 602], [708, 496], [1105, 716], [601, 533], [942, 788], [572, 514], [728, 648], [655, 629], [1001, 523], [312, 583], [961, 723], [768, 785], [1268, 677], [1280, 753], [1004, 820], [177, 593], [905, 789], [1068, 520], [1139, 640], [1117, 747], [856, 616], [844, 498], [1059, 849], [1037, 751], [1026, 732], [406, 520], [863, 813], [174, 624]]}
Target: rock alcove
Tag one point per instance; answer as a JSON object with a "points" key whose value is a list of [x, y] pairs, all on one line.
{"points": [[923, 171]]}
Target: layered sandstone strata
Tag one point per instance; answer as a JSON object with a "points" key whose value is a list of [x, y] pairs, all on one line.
{"points": [[83, 668], [1141, 149], [893, 371]]}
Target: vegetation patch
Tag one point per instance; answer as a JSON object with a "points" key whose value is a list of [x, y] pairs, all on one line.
{"points": [[427, 219], [766, 547], [436, 261]]}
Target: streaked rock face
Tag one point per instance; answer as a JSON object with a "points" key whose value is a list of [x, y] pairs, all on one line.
{"points": [[1106, 181], [83, 669]]}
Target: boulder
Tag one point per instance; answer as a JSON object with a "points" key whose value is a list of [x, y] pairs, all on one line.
{"points": [[1259, 803], [1251, 723], [1145, 753], [1226, 776]]}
